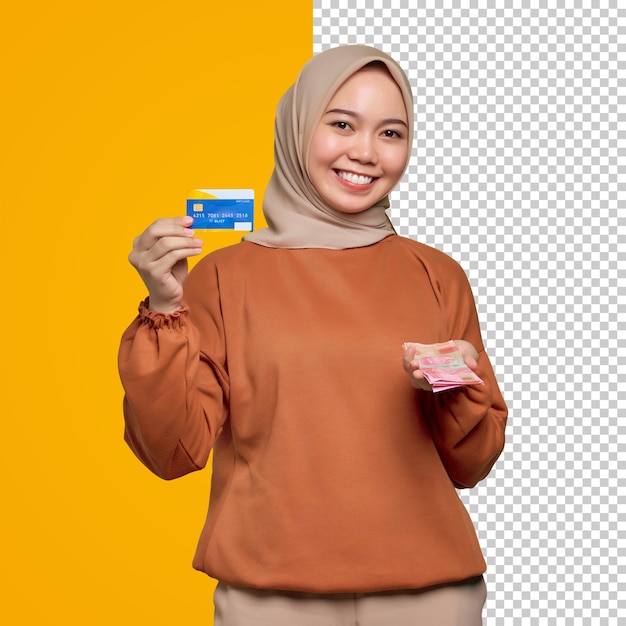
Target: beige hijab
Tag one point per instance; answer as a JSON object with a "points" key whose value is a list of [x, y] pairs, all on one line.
{"points": [[297, 216]]}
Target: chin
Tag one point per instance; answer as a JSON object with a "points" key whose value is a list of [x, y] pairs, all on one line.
{"points": [[350, 211], [347, 209]]}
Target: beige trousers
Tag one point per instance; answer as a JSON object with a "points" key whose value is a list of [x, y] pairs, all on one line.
{"points": [[450, 605]]}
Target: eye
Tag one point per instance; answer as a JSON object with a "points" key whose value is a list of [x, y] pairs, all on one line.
{"points": [[392, 134], [341, 125]]}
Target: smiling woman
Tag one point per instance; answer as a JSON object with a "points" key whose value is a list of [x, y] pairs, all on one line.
{"points": [[334, 464]]}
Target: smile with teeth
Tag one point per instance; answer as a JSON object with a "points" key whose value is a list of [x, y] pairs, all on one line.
{"points": [[355, 179]]}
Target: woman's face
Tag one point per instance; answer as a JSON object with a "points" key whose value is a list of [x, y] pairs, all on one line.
{"points": [[359, 149]]}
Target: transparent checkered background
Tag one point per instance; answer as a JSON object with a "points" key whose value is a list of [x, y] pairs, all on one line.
{"points": [[518, 172]]}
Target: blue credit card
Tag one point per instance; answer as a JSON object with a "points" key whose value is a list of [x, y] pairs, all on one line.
{"points": [[221, 209]]}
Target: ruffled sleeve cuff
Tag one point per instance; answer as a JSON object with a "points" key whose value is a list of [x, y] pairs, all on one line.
{"points": [[156, 320]]}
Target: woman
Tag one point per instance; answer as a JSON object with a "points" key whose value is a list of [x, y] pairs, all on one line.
{"points": [[333, 494]]}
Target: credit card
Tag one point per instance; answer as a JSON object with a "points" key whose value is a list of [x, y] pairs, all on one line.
{"points": [[221, 209]]}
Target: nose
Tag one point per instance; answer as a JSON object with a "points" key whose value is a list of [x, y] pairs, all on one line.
{"points": [[363, 148]]}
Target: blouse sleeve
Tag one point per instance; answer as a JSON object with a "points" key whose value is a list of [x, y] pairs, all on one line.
{"points": [[176, 395], [468, 423]]}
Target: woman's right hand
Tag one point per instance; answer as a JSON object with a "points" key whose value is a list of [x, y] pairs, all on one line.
{"points": [[160, 255]]}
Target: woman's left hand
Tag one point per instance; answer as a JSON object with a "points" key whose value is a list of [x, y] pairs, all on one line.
{"points": [[416, 376]]}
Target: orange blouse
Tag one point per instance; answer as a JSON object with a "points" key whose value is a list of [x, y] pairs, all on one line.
{"points": [[331, 473]]}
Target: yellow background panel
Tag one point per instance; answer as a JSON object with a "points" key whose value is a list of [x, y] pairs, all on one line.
{"points": [[111, 112]]}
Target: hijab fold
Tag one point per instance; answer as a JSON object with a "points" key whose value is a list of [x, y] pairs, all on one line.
{"points": [[296, 215]]}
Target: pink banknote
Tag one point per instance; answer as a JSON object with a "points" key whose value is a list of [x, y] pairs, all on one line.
{"points": [[443, 365]]}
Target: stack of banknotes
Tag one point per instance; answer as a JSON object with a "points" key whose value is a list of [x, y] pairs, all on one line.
{"points": [[443, 365]]}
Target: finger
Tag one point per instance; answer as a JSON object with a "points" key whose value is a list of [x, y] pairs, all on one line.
{"points": [[470, 361], [418, 374], [407, 360], [162, 256], [169, 260], [169, 243], [467, 350], [164, 227], [419, 381], [154, 245]]}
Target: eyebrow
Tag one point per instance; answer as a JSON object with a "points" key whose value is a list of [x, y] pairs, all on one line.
{"points": [[391, 120]]}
